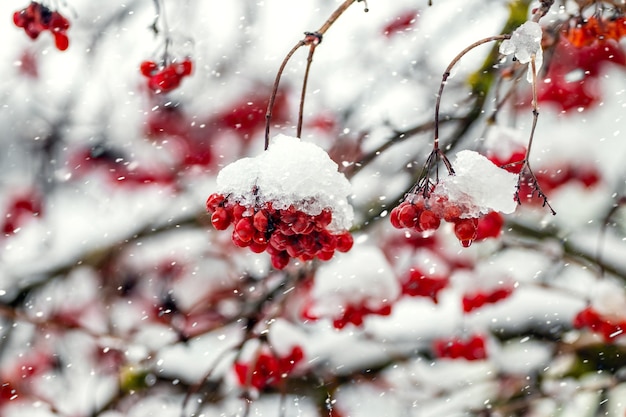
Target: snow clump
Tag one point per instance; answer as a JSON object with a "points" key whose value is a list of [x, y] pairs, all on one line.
{"points": [[290, 173], [478, 186], [524, 43]]}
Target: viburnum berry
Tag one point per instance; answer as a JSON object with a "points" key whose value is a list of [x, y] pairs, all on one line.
{"points": [[36, 18], [165, 77], [307, 222], [466, 231]]}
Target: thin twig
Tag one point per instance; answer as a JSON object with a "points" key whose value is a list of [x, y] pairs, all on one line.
{"points": [[304, 84], [447, 73], [319, 33]]}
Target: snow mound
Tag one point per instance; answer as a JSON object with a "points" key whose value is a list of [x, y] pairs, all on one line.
{"points": [[524, 43], [478, 186], [362, 277], [290, 172]]}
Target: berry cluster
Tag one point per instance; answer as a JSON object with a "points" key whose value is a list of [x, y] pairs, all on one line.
{"points": [[424, 215], [19, 210], [595, 29], [267, 370], [477, 300], [284, 233], [352, 314], [163, 77], [418, 284], [471, 349], [36, 18], [585, 49], [608, 327]]}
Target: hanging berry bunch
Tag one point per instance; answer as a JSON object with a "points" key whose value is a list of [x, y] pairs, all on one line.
{"points": [[37, 18], [289, 201], [167, 72], [166, 76], [476, 189]]}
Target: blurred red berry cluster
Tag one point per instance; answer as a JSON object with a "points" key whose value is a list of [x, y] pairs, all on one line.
{"points": [[267, 370], [20, 208], [351, 313], [580, 53], [36, 18], [416, 283], [284, 234], [471, 348], [165, 77], [473, 301], [608, 327]]}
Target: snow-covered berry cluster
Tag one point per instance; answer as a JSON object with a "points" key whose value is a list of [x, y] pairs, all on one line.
{"points": [[471, 348], [477, 189], [284, 234], [163, 77], [289, 201], [37, 18]]}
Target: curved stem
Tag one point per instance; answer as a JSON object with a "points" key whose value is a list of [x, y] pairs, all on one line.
{"points": [[270, 105], [446, 74], [303, 94], [319, 34]]}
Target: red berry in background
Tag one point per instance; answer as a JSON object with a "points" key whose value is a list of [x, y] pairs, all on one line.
{"points": [[428, 220], [400, 23], [163, 78], [344, 242], [471, 348], [37, 18], [418, 284], [489, 226], [147, 68], [61, 41]]}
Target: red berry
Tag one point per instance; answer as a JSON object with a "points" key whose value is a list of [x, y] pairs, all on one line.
{"points": [[451, 213], [489, 226], [323, 219], [245, 229], [394, 218], [214, 201], [280, 260], [147, 68], [429, 221], [344, 242], [408, 216], [465, 231], [221, 219], [260, 221], [19, 18], [61, 41]]}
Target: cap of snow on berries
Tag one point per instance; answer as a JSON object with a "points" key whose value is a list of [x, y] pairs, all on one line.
{"points": [[478, 186], [290, 173], [524, 43]]}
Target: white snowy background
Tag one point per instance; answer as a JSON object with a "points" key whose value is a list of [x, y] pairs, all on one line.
{"points": [[94, 237]]}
